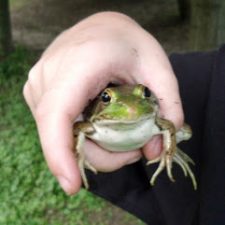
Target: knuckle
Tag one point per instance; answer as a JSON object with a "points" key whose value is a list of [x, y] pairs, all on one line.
{"points": [[32, 73], [35, 74], [25, 90], [28, 96]]}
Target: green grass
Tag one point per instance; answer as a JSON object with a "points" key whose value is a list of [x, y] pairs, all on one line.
{"points": [[29, 194]]}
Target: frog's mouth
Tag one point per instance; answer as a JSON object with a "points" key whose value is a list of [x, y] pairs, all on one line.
{"points": [[123, 121]]}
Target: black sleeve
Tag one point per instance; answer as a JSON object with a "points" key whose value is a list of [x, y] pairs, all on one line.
{"points": [[201, 78]]}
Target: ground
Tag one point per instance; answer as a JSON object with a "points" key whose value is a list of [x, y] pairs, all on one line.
{"points": [[37, 22]]}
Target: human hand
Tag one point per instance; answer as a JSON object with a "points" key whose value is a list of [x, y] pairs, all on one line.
{"points": [[103, 48]]}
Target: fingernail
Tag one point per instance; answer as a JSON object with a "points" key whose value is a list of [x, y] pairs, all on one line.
{"points": [[65, 184]]}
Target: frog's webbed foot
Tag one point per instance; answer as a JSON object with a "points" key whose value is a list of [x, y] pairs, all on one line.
{"points": [[82, 162], [183, 159], [171, 154]]}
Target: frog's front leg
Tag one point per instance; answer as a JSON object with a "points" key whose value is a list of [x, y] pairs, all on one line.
{"points": [[171, 153], [169, 148], [81, 129]]}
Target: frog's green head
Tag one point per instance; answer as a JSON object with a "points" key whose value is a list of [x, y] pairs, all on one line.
{"points": [[123, 103]]}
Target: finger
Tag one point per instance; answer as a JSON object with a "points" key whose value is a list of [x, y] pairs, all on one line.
{"points": [[106, 161], [56, 140], [28, 96], [164, 86], [54, 117], [153, 148], [158, 75], [167, 93]]}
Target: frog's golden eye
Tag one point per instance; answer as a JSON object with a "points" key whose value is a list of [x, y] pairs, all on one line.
{"points": [[105, 97], [146, 92]]}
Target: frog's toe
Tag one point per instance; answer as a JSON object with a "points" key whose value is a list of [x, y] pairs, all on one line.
{"points": [[165, 161], [185, 156], [90, 167], [176, 159], [182, 159], [157, 172], [83, 163], [160, 168], [169, 161], [82, 172], [153, 161]]}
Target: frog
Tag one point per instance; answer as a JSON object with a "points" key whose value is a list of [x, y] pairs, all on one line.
{"points": [[125, 118]]}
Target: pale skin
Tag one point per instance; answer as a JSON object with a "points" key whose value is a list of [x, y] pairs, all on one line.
{"points": [[105, 47]]}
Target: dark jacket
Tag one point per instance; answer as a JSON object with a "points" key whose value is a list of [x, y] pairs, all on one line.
{"points": [[201, 78]]}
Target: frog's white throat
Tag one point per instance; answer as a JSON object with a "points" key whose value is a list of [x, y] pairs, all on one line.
{"points": [[124, 135]]}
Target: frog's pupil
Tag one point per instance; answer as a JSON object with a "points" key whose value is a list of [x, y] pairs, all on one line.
{"points": [[105, 97], [147, 92]]}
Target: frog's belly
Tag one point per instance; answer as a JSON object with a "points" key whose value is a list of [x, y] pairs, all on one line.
{"points": [[124, 137]]}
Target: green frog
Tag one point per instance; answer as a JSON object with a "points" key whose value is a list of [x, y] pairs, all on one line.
{"points": [[125, 118]]}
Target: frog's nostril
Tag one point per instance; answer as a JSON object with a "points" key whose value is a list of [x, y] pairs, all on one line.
{"points": [[131, 111]]}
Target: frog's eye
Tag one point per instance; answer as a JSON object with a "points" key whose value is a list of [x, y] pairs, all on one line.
{"points": [[146, 92], [105, 97]]}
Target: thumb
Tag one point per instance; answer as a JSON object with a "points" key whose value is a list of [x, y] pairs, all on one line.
{"points": [[54, 117]]}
